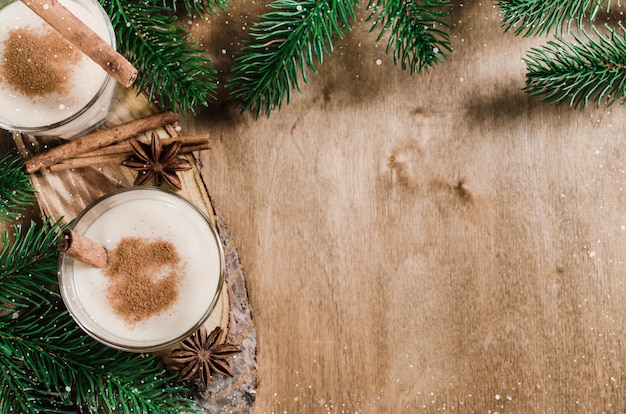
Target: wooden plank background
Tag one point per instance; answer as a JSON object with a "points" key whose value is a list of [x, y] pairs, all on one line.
{"points": [[441, 243], [425, 244]]}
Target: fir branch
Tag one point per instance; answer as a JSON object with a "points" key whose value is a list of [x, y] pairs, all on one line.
{"points": [[16, 191], [47, 363], [26, 263], [198, 7], [146, 390], [579, 72], [538, 17], [286, 43], [56, 365], [416, 35], [174, 74]]}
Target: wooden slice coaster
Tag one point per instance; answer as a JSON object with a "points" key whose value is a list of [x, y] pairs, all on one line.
{"points": [[64, 194]]}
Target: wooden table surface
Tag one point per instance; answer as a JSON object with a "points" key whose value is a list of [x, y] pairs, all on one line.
{"points": [[425, 244], [441, 243]]}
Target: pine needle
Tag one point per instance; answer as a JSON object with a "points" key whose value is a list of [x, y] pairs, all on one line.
{"points": [[283, 46], [538, 17], [417, 31], [24, 267], [587, 70], [16, 192], [198, 7], [172, 71]]}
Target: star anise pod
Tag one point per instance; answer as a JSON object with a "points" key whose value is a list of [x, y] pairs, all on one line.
{"points": [[158, 161], [202, 354]]}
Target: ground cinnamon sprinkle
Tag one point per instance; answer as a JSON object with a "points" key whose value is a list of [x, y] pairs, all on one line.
{"points": [[37, 63], [145, 276]]}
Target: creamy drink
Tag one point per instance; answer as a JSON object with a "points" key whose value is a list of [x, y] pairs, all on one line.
{"points": [[47, 85], [145, 215]]}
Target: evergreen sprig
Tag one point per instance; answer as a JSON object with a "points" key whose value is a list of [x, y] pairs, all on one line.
{"points": [[47, 363], [284, 44], [24, 267], [590, 69], [197, 7], [172, 71], [16, 192], [538, 17], [417, 30]]}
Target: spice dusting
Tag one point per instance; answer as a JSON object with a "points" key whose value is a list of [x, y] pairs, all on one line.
{"points": [[37, 62], [145, 276]]}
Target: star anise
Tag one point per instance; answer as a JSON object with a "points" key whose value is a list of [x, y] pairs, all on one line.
{"points": [[202, 354], [158, 161]]}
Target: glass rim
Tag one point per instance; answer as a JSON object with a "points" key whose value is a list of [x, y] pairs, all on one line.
{"points": [[64, 259], [107, 80]]}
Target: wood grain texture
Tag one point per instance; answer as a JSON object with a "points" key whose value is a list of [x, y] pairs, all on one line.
{"points": [[441, 243]]}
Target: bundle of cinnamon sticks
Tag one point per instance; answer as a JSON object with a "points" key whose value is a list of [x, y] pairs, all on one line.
{"points": [[107, 146]]}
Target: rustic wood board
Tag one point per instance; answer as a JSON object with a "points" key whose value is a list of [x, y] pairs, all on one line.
{"points": [[63, 194]]}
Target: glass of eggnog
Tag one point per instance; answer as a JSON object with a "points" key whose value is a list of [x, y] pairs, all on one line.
{"points": [[164, 274], [47, 85]]}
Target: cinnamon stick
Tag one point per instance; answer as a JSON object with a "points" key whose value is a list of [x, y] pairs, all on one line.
{"points": [[83, 249], [87, 162], [85, 39], [80, 162], [125, 147], [98, 139]]}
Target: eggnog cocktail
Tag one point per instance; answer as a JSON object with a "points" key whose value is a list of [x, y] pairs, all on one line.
{"points": [[47, 85], [178, 270]]}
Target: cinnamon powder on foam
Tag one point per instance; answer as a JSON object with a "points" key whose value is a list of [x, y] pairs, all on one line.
{"points": [[145, 277], [38, 62]]}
